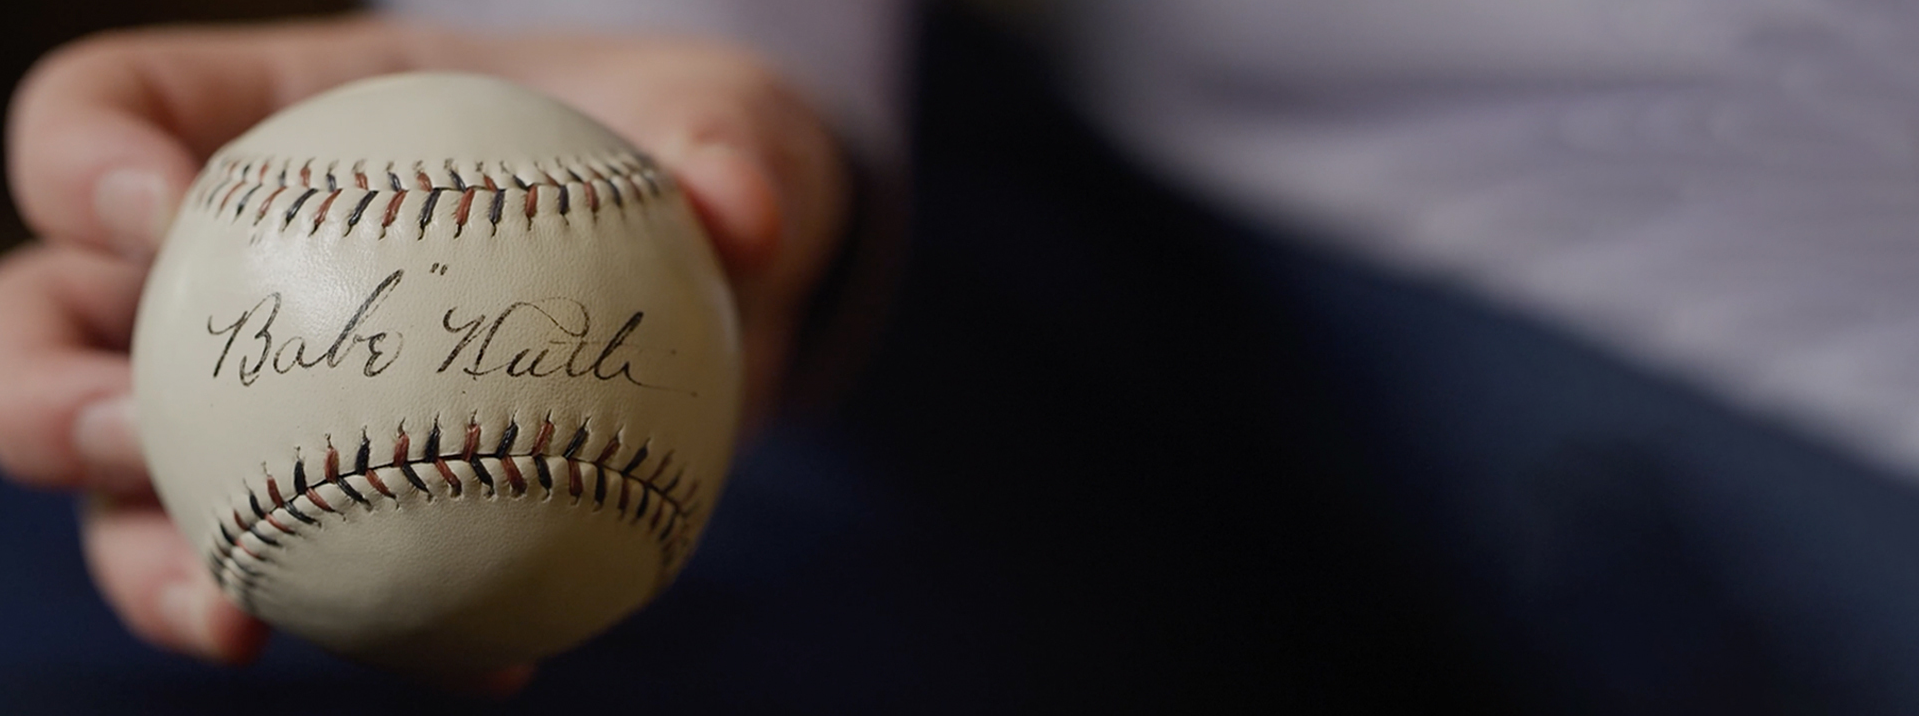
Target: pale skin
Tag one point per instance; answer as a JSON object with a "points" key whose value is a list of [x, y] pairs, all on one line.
{"points": [[106, 133]]}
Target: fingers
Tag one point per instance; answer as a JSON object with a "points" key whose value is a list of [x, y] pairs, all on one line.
{"points": [[106, 133], [159, 585], [64, 416], [757, 164]]}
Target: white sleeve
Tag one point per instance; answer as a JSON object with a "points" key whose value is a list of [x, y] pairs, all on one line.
{"points": [[847, 56]]}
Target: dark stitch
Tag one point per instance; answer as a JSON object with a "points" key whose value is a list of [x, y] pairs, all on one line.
{"points": [[351, 493], [573, 446], [479, 471], [406, 468], [295, 208], [646, 497], [426, 212], [507, 439], [599, 484], [459, 182], [563, 200], [638, 457], [288, 508], [433, 442], [354, 218], [666, 521], [499, 203], [243, 201], [546, 474]]}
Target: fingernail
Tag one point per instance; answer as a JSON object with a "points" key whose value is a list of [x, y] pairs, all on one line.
{"points": [[184, 608], [106, 439], [131, 204]]}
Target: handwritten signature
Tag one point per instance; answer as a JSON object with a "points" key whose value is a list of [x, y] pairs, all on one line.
{"points": [[542, 338]]}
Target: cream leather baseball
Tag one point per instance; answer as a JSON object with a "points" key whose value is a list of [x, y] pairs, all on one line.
{"points": [[440, 374]]}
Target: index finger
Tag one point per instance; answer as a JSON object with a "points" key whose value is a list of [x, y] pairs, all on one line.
{"points": [[106, 134]]}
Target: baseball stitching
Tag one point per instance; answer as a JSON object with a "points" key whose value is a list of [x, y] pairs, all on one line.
{"points": [[235, 182], [661, 508]]}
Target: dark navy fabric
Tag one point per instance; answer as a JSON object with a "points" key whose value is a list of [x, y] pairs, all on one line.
{"points": [[1118, 454]]}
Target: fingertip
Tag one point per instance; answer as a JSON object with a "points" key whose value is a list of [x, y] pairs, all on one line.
{"points": [[133, 205], [106, 439], [736, 201], [158, 585]]}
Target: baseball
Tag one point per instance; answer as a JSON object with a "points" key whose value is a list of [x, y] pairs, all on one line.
{"points": [[440, 374]]}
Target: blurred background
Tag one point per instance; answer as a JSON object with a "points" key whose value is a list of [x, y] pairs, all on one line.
{"points": [[1126, 446], [33, 30]]}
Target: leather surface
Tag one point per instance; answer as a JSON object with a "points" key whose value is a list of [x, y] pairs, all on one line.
{"points": [[441, 374]]}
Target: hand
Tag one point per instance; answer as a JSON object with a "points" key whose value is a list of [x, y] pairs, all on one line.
{"points": [[107, 133]]}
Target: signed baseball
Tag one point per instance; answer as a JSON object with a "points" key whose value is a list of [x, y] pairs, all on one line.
{"points": [[439, 373]]}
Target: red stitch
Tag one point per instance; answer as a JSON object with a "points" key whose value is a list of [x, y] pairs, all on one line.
{"points": [[545, 434], [472, 442], [273, 490], [250, 553], [306, 174], [573, 483], [466, 205], [332, 464], [393, 209], [513, 476], [374, 480], [314, 496], [446, 473], [319, 216], [359, 175], [592, 197], [262, 179], [276, 524], [400, 450], [607, 453], [532, 200], [267, 204], [240, 523], [490, 186], [230, 192], [425, 183]]}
